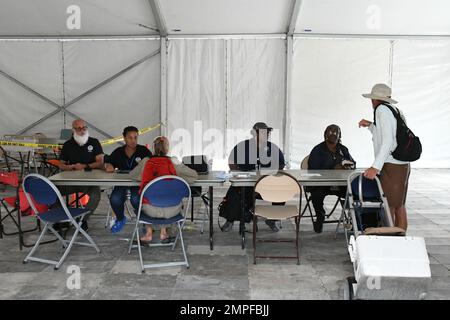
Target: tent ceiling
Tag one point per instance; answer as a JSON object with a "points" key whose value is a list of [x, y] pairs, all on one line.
{"points": [[226, 16], [396, 17], [20, 18], [98, 17]]}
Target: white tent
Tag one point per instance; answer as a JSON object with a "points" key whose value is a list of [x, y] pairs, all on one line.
{"points": [[225, 64]]}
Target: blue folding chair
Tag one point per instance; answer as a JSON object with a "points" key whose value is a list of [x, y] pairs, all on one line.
{"points": [[163, 192], [45, 192], [365, 199]]}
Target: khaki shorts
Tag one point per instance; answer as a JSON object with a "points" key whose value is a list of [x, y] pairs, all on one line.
{"points": [[394, 181]]}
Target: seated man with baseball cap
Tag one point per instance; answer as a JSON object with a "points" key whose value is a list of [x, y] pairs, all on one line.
{"points": [[328, 155], [256, 153]]}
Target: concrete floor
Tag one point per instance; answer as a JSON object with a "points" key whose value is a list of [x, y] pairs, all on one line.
{"points": [[228, 271]]}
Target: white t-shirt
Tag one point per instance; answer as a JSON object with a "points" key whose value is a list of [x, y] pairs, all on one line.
{"points": [[384, 137]]}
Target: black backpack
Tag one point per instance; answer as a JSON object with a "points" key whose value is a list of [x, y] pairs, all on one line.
{"points": [[409, 147], [230, 207]]}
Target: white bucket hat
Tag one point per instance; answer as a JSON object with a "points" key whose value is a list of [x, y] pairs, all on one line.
{"points": [[380, 91]]}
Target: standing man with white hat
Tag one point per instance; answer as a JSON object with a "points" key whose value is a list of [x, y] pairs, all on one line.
{"points": [[394, 174]]}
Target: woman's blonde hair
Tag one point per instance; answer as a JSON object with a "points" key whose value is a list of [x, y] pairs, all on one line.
{"points": [[160, 146]]}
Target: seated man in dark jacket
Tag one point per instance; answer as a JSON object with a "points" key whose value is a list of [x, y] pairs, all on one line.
{"points": [[253, 154], [328, 155]]}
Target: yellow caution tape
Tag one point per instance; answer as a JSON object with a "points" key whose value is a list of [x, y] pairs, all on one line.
{"points": [[28, 144], [46, 145]]}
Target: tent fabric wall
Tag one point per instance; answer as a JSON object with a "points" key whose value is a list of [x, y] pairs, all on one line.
{"points": [[38, 65], [421, 84], [196, 95], [131, 99], [228, 85], [257, 86], [328, 78]]}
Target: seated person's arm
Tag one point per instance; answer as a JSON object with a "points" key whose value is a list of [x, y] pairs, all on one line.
{"points": [[108, 162], [66, 167], [109, 167], [98, 164], [314, 162]]}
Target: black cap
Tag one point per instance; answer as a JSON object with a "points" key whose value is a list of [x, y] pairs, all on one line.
{"points": [[261, 126]]}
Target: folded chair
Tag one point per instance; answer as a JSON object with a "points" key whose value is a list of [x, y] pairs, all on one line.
{"points": [[16, 206], [339, 200], [281, 187], [45, 192], [368, 208], [164, 191]]}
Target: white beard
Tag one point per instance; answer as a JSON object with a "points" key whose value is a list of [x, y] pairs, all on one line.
{"points": [[81, 140]]}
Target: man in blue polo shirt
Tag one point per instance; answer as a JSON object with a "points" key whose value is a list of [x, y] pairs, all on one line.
{"points": [[125, 159]]}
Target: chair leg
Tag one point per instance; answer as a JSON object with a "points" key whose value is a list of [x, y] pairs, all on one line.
{"points": [[182, 244], [205, 216], [36, 245], [66, 252], [255, 222], [1, 224], [58, 236], [132, 237], [88, 237], [297, 230], [140, 250], [192, 209]]}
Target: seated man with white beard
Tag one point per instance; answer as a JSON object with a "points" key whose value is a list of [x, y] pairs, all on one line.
{"points": [[82, 152]]}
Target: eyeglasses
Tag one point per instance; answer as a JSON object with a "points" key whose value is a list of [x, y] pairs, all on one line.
{"points": [[80, 128]]}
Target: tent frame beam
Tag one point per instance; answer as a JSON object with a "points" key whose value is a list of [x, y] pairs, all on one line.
{"points": [[160, 20], [63, 108], [371, 36], [295, 12]]}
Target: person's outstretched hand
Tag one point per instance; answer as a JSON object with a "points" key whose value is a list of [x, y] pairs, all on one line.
{"points": [[364, 123]]}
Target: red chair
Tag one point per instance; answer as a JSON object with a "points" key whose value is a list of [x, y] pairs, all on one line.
{"points": [[17, 204]]}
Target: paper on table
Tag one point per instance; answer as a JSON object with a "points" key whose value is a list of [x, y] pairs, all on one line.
{"points": [[223, 175], [311, 175], [243, 174]]}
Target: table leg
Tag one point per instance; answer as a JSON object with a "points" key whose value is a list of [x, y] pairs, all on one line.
{"points": [[242, 222], [211, 228]]}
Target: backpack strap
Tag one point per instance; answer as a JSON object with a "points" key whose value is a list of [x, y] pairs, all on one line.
{"points": [[395, 112]]}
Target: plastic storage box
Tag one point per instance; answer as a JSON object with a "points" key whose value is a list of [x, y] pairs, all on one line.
{"points": [[390, 267]]}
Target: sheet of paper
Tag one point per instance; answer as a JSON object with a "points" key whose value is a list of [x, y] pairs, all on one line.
{"points": [[311, 175]]}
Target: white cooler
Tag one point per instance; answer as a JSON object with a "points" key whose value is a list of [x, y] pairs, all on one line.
{"points": [[390, 267]]}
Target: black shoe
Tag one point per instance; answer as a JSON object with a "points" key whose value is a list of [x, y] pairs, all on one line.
{"points": [[227, 226], [318, 226], [272, 225]]}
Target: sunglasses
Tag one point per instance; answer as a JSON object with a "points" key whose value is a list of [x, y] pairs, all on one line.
{"points": [[80, 128]]}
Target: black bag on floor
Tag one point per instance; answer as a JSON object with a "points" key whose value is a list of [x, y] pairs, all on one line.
{"points": [[230, 207]]}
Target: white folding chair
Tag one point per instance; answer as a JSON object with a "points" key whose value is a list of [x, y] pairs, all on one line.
{"points": [[281, 187]]}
